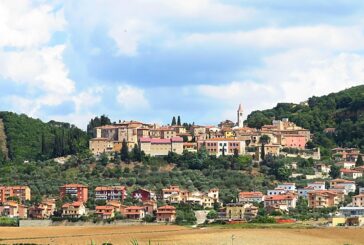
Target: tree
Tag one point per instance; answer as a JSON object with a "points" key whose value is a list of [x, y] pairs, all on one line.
{"points": [[335, 171], [104, 159], [137, 154], [179, 121], [264, 139], [173, 121], [212, 214], [124, 153], [359, 161]]}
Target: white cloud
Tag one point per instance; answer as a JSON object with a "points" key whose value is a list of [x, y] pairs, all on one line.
{"points": [[322, 36], [131, 23], [292, 76], [24, 25], [131, 98]]}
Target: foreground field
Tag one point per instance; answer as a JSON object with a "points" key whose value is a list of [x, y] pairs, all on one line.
{"points": [[179, 235]]}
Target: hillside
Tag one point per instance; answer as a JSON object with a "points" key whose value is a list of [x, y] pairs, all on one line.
{"points": [[343, 111], [32, 139]]}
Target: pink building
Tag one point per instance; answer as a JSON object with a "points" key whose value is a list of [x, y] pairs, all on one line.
{"points": [[294, 141], [220, 146]]}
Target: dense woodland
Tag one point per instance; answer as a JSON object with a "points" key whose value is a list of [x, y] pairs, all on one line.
{"points": [[343, 111], [32, 139]]}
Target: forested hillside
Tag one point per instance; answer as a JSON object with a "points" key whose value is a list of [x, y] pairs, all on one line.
{"points": [[343, 111], [32, 139]]}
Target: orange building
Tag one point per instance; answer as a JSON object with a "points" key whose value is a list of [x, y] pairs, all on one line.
{"points": [[134, 212], [166, 214], [324, 198], [13, 209], [77, 191], [22, 192], [105, 212], [43, 210]]}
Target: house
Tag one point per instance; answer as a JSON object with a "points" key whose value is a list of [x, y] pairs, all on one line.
{"points": [[361, 190], [101, 145], [222, 146], [166, 214], [241, 211], [134, 212], [284, 201], [22, 192], [150, 206], [12, 209], [118, 207], [287, 186], [161, 146], [318, 185], [251, 196], [323, 168], [349, 185], [43, 210], [324, 198], [109, 193], [73, 210], [105, 212], [276, 191], [346, 154], [77, 192], [346, 165], [350, 173], [143, 195], [171, 190], [297, 141], [214, 193], [358, 200]]}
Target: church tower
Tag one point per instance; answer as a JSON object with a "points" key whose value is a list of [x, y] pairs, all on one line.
{"points": [[240, 117]]}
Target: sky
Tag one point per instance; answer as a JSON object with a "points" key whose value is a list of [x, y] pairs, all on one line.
{"points": [[149, 60]]}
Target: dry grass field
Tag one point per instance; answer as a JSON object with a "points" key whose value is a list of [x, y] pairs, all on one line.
{"points": [[178, 235]]}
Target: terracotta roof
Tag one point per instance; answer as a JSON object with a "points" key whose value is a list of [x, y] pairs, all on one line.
{"points": [[74, 204], [110, 188], [279, 197], [251, 194], [73, 185], [344, 170], [342, 181]]}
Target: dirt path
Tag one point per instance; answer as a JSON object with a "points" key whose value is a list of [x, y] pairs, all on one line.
{"points": [[177, 235]]}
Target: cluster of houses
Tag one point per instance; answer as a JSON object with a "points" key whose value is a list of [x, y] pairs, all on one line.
{"points": [[227, 138], [13, 198]]}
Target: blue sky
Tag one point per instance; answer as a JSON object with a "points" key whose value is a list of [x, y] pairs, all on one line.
{"points": [[152, 59]]}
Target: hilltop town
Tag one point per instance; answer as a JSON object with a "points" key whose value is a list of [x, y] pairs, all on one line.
{"points": [[304, 187]]}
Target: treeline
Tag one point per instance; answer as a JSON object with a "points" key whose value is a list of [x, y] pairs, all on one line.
{"points": [[32, 139], [343, 111]]}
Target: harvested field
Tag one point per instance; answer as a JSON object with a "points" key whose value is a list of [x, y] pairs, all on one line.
{"points": [[179, 235]]}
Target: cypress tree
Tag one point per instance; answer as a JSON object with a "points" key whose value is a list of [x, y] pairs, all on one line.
{"points": [[179, 121], [124, 154], [359, 161], [173, 121]]}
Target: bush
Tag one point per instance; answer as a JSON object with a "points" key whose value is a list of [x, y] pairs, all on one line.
{"points": [[264, 220], [6, 221]]}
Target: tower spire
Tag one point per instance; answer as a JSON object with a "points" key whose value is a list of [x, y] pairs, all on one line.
{"points": [[240, 114]]}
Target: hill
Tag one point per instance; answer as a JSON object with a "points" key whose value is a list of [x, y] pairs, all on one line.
{"points": [[32, 139], [343, 111]]}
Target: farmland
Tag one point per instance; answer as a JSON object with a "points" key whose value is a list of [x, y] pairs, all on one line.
{"points": [[162, 234]]}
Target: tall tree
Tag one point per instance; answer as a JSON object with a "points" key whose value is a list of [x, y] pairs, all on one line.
{"points": [[179, 121], [173, 121], [137, 154], [359, 161], [124, 154], [264, 139]]}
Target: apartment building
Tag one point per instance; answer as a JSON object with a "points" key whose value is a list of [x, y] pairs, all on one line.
{"points": [[350, 173], [166, 214], [241, 211], [324, 198], [223, 146], [22, 192], [161, 147], [348, 185], [143, 195], [358, 200], [43, 210], [105, 212], [73, 210], [283, 201], [110, 193], [134, 212], [250, 197], [76, 191]]}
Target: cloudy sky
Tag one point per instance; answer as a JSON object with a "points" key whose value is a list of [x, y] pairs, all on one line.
{"points": [[152, 59]]}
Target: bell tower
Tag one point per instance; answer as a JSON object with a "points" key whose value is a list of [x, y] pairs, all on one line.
{"points": [[240, 114]]}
